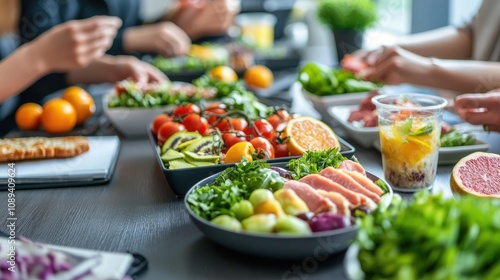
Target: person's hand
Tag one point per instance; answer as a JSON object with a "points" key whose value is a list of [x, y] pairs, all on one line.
{"points": [[110, 69], [74, 44], [394, 65], [480, 109], [165, 39], [212, 17]]}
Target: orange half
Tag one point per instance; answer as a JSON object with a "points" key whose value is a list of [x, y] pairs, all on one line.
{"points": [[309, 134]]}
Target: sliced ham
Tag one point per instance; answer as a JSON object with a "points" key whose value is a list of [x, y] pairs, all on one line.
{"points": [[315, 202], [367, 202], [345, 180], [365, 182], [319, 182], [352, 166], [339, 200]]}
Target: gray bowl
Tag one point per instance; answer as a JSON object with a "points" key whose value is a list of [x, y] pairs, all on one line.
{"points": [[318, 245]]}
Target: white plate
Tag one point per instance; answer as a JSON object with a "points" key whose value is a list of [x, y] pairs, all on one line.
{"points": [[109, 265], [321, 103], [451, 155], [365, 136]]}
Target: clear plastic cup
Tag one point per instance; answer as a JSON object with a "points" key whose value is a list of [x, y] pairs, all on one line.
{"points": [[410, 129], [257, 29]]}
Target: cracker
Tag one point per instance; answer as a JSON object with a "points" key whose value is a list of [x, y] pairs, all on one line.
{"points": [[15, 149]]}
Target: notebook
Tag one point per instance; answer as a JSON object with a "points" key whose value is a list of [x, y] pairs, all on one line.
{"points": [[93, 167]]}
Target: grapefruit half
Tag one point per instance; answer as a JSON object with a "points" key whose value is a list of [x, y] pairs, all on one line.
{"points": [[477, 174]]}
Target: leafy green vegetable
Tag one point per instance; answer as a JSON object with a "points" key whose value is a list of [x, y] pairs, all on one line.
{"points": [[455, 138], [322, 81], [312, 162], [426, 129], [432, 237], [231, 186], [317, 79]]}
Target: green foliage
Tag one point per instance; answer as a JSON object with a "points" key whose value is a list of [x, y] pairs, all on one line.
{"points": [[312, 162], [347, 14], [431, 237]]}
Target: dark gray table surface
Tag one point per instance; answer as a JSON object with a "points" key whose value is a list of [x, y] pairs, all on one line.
{"points": [[137, 211]]}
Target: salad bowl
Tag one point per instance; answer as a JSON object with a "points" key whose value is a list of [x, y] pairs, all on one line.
{"points": [[317, 245]]}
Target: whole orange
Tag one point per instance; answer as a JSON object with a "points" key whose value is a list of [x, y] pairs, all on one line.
{"points": [[224, 74], [58, 116], [28, 116], [82, 101], [258, 76]]}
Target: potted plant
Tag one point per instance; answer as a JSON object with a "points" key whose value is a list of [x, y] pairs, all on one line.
{"points": [[347, 19]]}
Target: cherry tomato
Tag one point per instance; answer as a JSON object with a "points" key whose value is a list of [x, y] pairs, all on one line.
{"points": [[281, 116], [263, 127], [158, 121], [239, 150], [281, 150], [231, 138], [211, 114], [167, 129], [193, 122], [239, 124], [223, 125], [263, 147], [215, 105], [183, 110]]}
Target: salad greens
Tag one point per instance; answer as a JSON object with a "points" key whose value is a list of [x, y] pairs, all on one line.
{"points": [[431, 237], [455, 138], [312, 162], [236, 97], [322, 81], [231, 186], [133, 96]]}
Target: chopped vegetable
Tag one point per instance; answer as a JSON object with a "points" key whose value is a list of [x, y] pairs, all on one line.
{"points": [[455, 138], [312, 162], [231, 186], [432, 237]]}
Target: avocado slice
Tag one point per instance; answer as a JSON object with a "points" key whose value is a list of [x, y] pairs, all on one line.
{"points": [[178, 164], [171, 154]]}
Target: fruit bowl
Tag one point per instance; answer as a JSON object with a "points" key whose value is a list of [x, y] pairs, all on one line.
{"points": [[181, 180], [273, 245]]}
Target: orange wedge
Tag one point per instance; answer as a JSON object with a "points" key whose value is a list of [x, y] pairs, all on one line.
{"points": [[309, 134]]}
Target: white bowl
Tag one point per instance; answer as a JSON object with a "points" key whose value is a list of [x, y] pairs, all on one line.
{"points": [[132, 122], [365, 136], [321, 103]]}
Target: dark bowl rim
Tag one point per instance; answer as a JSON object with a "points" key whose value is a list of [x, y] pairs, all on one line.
{"points": [[328, 233]]}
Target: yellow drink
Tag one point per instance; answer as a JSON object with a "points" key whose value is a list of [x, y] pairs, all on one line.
{"points": [[257, 29], [260, 35], [410, 127]]}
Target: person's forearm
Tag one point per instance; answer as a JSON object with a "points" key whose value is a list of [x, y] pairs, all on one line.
{"points": [[446, 43], [19, 70], [462, 76], [98, 71]]}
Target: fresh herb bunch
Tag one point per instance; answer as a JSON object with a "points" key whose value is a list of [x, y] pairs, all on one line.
{"points": [[320, 80], [432, 237], [312, 162], [455, 138], [233, 185], [347, 14]]}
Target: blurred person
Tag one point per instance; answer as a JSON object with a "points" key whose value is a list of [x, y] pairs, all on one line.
{"points": [[480, 109], [72, 45], [170, 36], [464, 59]]}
